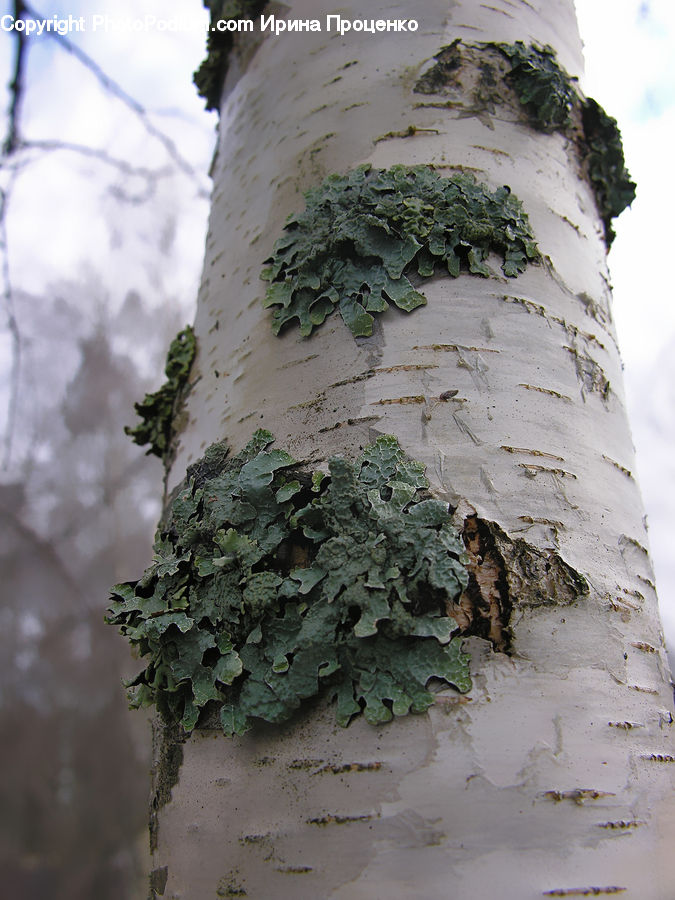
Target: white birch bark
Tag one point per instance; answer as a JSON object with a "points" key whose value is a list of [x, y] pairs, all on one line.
{"points": [[556, 772]]}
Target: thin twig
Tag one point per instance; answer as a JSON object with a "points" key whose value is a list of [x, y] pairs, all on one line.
{"points": [[16, 85], [101, 155]]}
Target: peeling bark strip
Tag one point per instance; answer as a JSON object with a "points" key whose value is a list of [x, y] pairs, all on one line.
{"points": [[485, 606], [590, 374], [645, 647], [537, 577], [623, 469], [416, 398]]}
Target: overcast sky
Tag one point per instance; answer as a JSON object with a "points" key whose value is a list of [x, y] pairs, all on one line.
{"points": [[61, 224], [630, 70]]}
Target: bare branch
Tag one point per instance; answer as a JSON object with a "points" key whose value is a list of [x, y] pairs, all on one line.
{"points": [[110, 85], [16, 85], [99, 154], [9, 147]]}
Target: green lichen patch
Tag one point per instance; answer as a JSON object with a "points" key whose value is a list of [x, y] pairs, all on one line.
{"points": [[548, 93], [270, 585], [158, 409], [543, 87], [210, 75], [614, 190], [548, 97], [362, 235]]}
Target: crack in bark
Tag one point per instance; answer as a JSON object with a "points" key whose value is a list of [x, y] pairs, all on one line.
{"points": [[585, 891], [590, 374]]}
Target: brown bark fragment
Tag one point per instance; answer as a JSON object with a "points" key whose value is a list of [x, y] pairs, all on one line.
{"points": [[506, 573], [536, 577], [484, 606]]}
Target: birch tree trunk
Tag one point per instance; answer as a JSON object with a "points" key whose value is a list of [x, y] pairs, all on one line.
{"points": [[554, 775]]}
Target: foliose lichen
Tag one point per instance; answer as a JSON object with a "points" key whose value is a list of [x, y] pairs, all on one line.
{"points": [[362, 236], [548, 93], [157, 409], [210, 75], [551, 101], [613, 187], [270, 585], [542, 86]]}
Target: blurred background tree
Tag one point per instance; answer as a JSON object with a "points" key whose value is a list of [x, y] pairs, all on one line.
{"points": [[101, 238]]}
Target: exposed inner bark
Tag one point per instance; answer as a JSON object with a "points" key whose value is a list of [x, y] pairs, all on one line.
{"points": [[484, 608], [505, 573]]}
